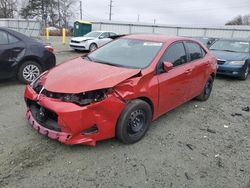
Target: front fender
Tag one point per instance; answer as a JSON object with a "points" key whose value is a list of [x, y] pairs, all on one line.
{"points": [[140, 87]]}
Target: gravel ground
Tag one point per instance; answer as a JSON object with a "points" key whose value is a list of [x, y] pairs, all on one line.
{"points": [[199, 144]]}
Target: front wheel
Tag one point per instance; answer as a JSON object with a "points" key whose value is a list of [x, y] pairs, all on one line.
{"points": [[28, 72], [134, 122], [205, 94], [92, 47], [245, 74]]}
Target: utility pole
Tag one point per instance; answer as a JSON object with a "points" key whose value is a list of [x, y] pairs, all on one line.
{"points": [[138, 18], [110, 9], [154, 21], [81, 10], [59, 13]]}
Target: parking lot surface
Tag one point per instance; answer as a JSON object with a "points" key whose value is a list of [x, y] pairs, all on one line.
{"points": [[199, 144]]}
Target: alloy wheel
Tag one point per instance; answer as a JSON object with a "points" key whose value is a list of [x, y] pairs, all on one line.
{"points": [[31, 72]]}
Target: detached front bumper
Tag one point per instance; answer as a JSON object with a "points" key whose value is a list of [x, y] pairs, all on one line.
{"points": [[72, 124]]}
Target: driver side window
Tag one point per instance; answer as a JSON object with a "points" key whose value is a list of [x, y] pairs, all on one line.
{"points": [[104, 35], [174, 54]]}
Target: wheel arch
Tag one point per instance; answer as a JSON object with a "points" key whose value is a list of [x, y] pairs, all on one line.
{"points": [[93, 42], [29, 58], [149, 101], [213, 75]]}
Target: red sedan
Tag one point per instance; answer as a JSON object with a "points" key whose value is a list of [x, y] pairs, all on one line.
{"points": [[119, 89]]}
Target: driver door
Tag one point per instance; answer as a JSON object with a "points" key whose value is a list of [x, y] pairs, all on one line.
{"points": [[174, 84], [103, 39]]}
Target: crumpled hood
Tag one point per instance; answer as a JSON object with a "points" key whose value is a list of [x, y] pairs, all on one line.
{"points": [[79, 75], [230, 56], [79, 39]]}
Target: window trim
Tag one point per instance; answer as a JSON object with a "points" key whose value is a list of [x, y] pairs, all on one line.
{"points": [[201, 48], [160, 61]]}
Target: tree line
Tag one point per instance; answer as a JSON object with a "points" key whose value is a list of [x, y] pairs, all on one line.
{"points": [[49, 12], [240, 20]]}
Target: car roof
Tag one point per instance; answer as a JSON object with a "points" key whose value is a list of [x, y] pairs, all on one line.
{"points": [[17, 34], [156, 37]]}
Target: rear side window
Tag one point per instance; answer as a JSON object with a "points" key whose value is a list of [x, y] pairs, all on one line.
{"points": [[3, 38], [175, 54], [12, 39], [195, 51]]}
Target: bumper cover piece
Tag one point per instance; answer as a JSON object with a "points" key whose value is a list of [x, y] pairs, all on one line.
{"points": [[60, 136]]}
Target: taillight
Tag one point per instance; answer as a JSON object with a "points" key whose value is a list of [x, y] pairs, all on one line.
{"points": [[49, 48]]}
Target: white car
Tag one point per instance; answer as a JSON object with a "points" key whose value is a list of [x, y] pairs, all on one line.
{"points": [[91, 41]]}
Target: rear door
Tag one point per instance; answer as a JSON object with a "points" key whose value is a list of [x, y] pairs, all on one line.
{"points": [[199, 62], [5, 54], [174, 84], [12, 50]]}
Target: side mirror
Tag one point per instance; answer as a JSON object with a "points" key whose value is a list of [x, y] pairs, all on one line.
{"points": [[167, 66], [101, 37]]}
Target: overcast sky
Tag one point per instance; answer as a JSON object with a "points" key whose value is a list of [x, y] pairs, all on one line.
{"points": [[182, 12]]}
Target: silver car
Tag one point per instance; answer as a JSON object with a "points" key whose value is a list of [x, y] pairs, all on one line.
{"points": [[91, 41]]}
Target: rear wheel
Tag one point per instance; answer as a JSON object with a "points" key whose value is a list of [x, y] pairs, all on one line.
{"points": [[28, 72], [245, 74], [205, 94], [134, 122]]}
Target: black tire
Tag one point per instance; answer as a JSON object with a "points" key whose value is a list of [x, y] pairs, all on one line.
{"points": [[22, 72], [134, 121], [245, 74], [93, 47], [205, 94]]}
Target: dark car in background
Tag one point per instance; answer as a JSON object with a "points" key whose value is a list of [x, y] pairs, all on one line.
{"points": [[233, 56], [23, 57], [207, 41]]}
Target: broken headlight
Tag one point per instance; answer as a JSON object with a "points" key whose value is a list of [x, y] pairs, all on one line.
{"points": [[85, 98]]}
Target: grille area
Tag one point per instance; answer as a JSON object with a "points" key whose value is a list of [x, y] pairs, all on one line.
{"points": [[73, 41], [220, 62], [43, 116]]}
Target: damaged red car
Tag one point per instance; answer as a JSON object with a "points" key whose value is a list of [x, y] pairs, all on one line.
{"points": [[119, 89]]}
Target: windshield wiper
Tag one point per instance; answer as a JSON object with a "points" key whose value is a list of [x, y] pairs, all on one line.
{"points": [[107, 63], [229, 50], [222, 50]]}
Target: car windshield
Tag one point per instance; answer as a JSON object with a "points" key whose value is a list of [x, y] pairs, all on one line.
{"points": [[93, 34], [127, 53], [231, 46]]}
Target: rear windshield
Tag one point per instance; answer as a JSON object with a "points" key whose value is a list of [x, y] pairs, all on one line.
{"points": [[231, 46]]}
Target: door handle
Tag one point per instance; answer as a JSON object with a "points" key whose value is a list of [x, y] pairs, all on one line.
{"points": [[188, 71], [17, 50]]}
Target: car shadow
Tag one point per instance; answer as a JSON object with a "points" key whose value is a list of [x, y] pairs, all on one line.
{"points": [[228, 78], [8, 82]]}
